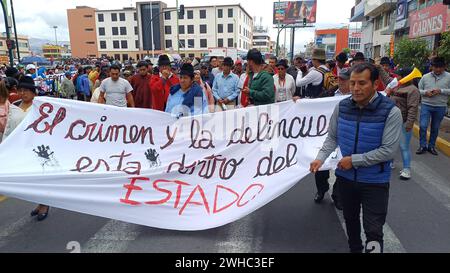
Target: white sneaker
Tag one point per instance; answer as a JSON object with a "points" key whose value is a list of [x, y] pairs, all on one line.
{"points": [[405, 174]]}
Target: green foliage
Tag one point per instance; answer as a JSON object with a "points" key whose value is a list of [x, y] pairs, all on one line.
{"points": [[444, 47], [347, 50], [412, 53]]}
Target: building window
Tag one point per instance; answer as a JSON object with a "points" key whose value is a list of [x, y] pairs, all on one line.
{"points": [[230, 13], [182, 43], [124, 44], [101, 17], [124, 57], [122, 17], [116, 56], [220, 42], [220, 28], [102, 44], [220, 13], [190, 29], [137, 44], [191, 55], [202, 14], [230, 42], [135, 16], [190, 14], [115, 31], [88, 16], [230, 28], [203, 43], [203, 29], [114, 17], [136, 31], [123, 31], [191, 43], [387, 19], [167, 15], [90, 43], [168, 30], [116, 44], [89, 29], [181, 29], [180, 16], [168, 44], [101, 31]]}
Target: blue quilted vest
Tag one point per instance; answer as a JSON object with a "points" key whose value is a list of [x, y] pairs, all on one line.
{"points": [[361, 131]]}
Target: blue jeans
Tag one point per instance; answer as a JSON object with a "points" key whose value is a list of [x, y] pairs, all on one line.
{"points": [[436, 114], [405, 141]]}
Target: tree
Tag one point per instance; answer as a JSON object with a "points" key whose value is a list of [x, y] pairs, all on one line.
{"points": [[412, 53], [444, 47], [347, 51]]}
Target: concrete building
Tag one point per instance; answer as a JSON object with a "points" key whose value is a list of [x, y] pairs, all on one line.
{"points": [[55, 52], [151, 31], [118, 33], [24, 47], [207, 27], [83, 32], [332, 40], [354, 41]]}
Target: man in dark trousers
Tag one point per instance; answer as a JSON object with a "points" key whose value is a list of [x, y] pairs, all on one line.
{"points": [[367, 129]]}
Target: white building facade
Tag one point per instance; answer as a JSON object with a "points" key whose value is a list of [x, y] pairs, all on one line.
{"points": [[204, 27], [118, 33]]}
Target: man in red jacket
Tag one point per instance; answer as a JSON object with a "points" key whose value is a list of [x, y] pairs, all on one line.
{"points": [[141, 86], [160, 85]]}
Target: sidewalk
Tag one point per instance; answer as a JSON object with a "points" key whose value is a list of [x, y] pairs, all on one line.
{"points": [[443, 142]]}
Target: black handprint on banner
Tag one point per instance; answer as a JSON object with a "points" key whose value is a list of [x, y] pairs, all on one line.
{"points": [[46, 157], [43, 152], [153, 157]]}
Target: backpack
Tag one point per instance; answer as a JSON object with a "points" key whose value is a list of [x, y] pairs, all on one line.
{"points": [[330, 83]]}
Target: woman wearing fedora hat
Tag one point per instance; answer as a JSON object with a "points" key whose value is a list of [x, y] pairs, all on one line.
{"points": [[16, 114]]}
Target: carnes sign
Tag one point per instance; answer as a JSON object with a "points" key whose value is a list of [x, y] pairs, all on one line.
{"points": [[429, 21]]}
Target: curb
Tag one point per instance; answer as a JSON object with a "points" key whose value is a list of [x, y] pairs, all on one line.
{"points": [[3, 198], [442, 144]]}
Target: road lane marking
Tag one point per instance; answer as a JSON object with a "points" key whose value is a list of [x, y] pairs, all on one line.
{"points": [[114, 237]]}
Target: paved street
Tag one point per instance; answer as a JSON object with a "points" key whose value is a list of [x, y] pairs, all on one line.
{"points": [[418, 221]]}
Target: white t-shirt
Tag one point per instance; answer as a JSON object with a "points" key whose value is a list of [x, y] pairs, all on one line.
{"points": [[116, 91]]}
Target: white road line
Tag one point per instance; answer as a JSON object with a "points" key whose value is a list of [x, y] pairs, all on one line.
{"points": [[436, 185], [10, 230], [114, 237], [391, 242], [243, 236]]}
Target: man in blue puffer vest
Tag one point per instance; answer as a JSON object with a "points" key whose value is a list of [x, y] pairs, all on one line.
{"points": [[367, 129]]}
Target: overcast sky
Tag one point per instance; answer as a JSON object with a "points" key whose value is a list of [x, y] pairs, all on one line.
{"points": [[36, 18]]}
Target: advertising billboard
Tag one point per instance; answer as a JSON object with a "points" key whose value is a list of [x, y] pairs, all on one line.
{"points": [[294, 12], [428, 21]]}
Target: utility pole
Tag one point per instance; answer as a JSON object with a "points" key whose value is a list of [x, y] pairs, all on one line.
{"points": [[178, 28], [151, 29], [8, 33], [15, 30]]}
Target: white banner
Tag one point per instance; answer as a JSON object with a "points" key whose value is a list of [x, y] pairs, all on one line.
{"points": [[148, 168]]}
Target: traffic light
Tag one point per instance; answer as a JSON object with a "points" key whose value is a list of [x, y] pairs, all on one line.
{"points": [[10, 44], [304, 22], [182, 10]]}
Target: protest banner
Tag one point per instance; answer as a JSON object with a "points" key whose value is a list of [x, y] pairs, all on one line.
{"points": [[150, 168]]}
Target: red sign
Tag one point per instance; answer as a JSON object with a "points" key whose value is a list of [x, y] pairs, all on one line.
{"points": [[428, 21]]}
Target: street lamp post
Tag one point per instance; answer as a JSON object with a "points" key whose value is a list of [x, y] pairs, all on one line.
{"points": [[56, 35], [15, 30]]}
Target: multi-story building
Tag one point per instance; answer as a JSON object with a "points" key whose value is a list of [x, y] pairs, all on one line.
{"points": [[151, 27], [118, 33], [262, 41], [358, 16], [207, 27], [55, 52], [83, 32], [151, 22], [425, 19], [23, 46], [354, 41], [334, 41]]}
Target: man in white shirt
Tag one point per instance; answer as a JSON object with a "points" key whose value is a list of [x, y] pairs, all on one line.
{"points": [[313, 81], [116, 91]]}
